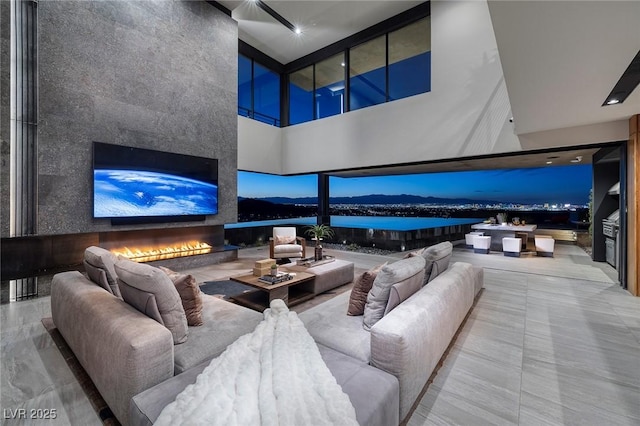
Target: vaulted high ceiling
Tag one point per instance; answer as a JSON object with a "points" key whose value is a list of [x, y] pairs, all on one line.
{"points": [[560, 58]]}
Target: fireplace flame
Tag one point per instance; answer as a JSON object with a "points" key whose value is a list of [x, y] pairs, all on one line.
{"points": [[148, 254]]}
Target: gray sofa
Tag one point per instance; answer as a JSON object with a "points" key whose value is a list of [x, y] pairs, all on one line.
{"points": [[409, 340], [132, 359], [373, 392], [123, 350], [384, 370]]}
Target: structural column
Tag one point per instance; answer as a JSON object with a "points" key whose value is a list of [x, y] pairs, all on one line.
{"points": [[633, 206], [323, 200]]}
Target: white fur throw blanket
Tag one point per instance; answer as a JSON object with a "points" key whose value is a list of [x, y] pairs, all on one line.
{"points": [[272, 376]]}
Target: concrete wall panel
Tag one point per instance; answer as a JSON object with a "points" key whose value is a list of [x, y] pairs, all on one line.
{"points": [[154, 74]]}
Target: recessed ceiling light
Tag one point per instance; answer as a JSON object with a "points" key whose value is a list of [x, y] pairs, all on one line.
{"points": [[549, 162], [552, 157], [298, 30], [627, 83], [342, 64], [577, 159]]}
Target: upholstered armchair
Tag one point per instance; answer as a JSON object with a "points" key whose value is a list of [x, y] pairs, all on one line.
{"points": [[286, 244]]}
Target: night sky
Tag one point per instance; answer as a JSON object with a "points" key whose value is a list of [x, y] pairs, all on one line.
{"points": [[552, 184]]}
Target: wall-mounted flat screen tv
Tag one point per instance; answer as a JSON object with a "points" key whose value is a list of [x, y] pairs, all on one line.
{"points": [[133, 182]]}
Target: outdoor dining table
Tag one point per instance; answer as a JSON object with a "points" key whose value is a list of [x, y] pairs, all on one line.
{"points": [[498, 231]]}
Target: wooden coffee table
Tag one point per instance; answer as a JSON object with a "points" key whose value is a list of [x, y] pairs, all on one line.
{"points": [[260, 298]]}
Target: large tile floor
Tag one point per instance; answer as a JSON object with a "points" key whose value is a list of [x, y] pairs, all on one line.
{"points": [[549, 341]]}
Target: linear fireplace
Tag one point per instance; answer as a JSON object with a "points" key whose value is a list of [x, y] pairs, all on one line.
{"points": [[148, 245], [162, 252], [30, 256]]}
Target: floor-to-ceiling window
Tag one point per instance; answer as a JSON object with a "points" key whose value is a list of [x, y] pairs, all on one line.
{"points": [[329, 78], [368, 74], [391, 66], [386, 62], [245, 77], [266, 95], [258, 91], [410, 60], [301, 96]]}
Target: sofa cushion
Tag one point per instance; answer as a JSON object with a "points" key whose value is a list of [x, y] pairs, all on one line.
{"points": [[143, 301], [190, 295], [99, 264], [328, 325], [411, 268], [402, 291], [139, 279], [375, 394], [223, 323], [437, 259], [360, 290], [287, 248]]}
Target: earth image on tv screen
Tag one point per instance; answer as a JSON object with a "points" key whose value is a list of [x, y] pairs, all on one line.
{"points": [[135, 193]]}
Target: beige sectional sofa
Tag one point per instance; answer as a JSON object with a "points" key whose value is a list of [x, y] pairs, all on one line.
{"points": [[123, 350], [138, 370], [409, 340]]}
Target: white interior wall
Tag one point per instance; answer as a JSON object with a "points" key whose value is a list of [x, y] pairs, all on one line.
{"points": [[465, 114], [259, 147]]}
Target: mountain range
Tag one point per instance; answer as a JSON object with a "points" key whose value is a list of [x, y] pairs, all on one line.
{"points": [[374, 199]]}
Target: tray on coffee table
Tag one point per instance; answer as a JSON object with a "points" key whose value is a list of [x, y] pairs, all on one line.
{"points": [[311, 261]]}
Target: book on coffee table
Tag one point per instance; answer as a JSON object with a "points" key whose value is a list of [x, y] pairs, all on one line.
{"points": [[270, 279]]}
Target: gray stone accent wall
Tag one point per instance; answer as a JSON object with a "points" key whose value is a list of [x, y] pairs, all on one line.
{"points": [[153, 74]]}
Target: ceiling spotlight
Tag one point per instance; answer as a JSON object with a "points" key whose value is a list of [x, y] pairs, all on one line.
{"points": [[549, 162], [342, 64], [577, 159], [627, 83], [297, 31]]}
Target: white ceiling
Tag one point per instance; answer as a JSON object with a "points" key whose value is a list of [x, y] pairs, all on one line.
{"points": [[322, 23], [560, 58]]}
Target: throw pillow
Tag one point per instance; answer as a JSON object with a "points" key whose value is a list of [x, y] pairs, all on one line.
{"points": [[284, 239], [360, 290], [140, 282], [437, 257], [414, 253], [99, 264], [190, 295], [378, 297]]}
